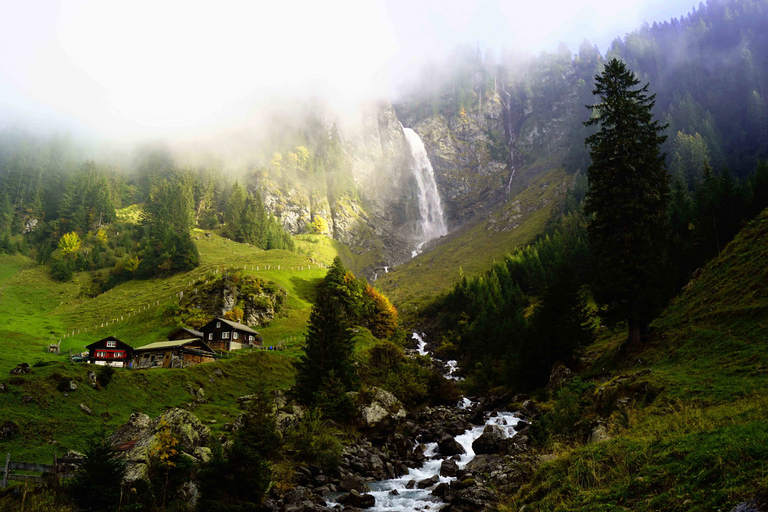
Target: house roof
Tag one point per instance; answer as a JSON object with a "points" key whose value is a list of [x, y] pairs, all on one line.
{"points": [[108, 338], [194, 333], [236, 325], [172, 344]]}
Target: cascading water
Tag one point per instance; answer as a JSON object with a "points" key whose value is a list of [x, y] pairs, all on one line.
{"points": [[394, 495], [432, 220], [510, 142]]}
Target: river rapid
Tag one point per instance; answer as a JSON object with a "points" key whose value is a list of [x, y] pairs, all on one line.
{"points": [[402, 494]]}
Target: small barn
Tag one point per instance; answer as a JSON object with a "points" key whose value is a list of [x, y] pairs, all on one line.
{"points": [[173, 354], [183, 333], [110, 351], [223, 334]]}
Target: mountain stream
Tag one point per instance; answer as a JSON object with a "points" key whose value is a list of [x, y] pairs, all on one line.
{"points": [[395, 496]]}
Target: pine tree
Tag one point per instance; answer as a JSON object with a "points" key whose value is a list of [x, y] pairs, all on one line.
{"points": [[96, 486], [628, 197], [329, 346]]}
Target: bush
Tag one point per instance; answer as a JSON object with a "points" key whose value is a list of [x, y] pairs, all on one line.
{"points": [[315, 441], [62, 269], [570, 406], [105, 375]]}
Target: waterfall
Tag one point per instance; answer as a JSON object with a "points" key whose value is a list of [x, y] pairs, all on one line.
{"points": [[432, 222], [511, 140]]}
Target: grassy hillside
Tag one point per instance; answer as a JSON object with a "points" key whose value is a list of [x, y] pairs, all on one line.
{"points": [[36, 310], [474, 249], [687, 413]]}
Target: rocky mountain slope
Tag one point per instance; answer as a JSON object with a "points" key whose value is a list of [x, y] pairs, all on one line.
{"points": [[478, 154]]}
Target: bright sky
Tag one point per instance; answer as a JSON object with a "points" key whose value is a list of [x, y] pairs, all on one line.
{"points": [[168, 67]]}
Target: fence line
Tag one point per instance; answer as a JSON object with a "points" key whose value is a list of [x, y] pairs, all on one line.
{"points": [[49, 472]]}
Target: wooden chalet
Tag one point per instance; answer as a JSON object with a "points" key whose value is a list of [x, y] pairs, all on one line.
{"points": [[110, 351], [183, 333], [222, 334], [173, 354]]}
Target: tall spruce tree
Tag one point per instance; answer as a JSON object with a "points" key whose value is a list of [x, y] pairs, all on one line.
{"points": [[627, 199], [329, 342]]}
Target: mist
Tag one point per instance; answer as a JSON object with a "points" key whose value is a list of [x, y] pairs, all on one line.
{"points": [[126, 72]]}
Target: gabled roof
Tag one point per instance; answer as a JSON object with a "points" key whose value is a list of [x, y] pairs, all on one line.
{"points": [[235, 325], [194, 333], [109, 338], [158, 345]]}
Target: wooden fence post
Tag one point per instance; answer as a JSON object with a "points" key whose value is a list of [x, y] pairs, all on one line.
{"points": [[56, 473], [5, 474]]}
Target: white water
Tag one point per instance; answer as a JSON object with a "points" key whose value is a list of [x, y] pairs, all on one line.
{"points": [[512, 138], [432, 221], [421, 499], [421, 346], [408, 500]]}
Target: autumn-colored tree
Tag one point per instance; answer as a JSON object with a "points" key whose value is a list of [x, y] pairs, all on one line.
{"points": [[101, 237], [132, 264], [165, 451], [69, 243], [382, 316], [320, 226], [235, 315]]}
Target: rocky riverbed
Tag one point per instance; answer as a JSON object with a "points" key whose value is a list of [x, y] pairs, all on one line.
{"points": [[450, 458]]}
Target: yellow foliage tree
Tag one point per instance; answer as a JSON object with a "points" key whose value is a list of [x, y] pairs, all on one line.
{"points": [[236, 315], [382, 319], [277, 162], [101, 237], [69, 243], [164, 451], [320, 226], [132, 264]]}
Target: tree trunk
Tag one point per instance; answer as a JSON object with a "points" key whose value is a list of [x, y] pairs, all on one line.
{"points": [[633, 336]]}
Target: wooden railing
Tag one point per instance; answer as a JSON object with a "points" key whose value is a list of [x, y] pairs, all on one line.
{"points": [[48, 472]]}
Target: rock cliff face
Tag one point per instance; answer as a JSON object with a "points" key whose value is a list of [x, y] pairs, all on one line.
{"points": [[469, 156], [243, 298], [475, 154]]}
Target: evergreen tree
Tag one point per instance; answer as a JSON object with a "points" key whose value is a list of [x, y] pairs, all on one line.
{"points": [[328, 348], [628, 197], [96, 486]]}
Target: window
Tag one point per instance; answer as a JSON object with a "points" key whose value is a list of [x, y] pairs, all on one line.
{"points": [[218, 324], [234, 335], [111, 344], [225, 335], [250, 337], [210, 336]]}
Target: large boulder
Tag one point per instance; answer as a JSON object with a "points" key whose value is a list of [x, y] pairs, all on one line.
{"points": [[560, 376], [449, 467], [355, 499], [8, 429], [352, 482], [21, 369], [379, 409], [138, 437], [489, 440], [448, 446]]}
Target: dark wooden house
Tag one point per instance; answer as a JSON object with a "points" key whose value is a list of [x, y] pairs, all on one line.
{"points": [[110, 351], [222, 334], [183, 333], [173, 354]]}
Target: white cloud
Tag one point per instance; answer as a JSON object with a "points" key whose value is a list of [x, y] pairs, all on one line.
{"points": [[153, 66]]}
